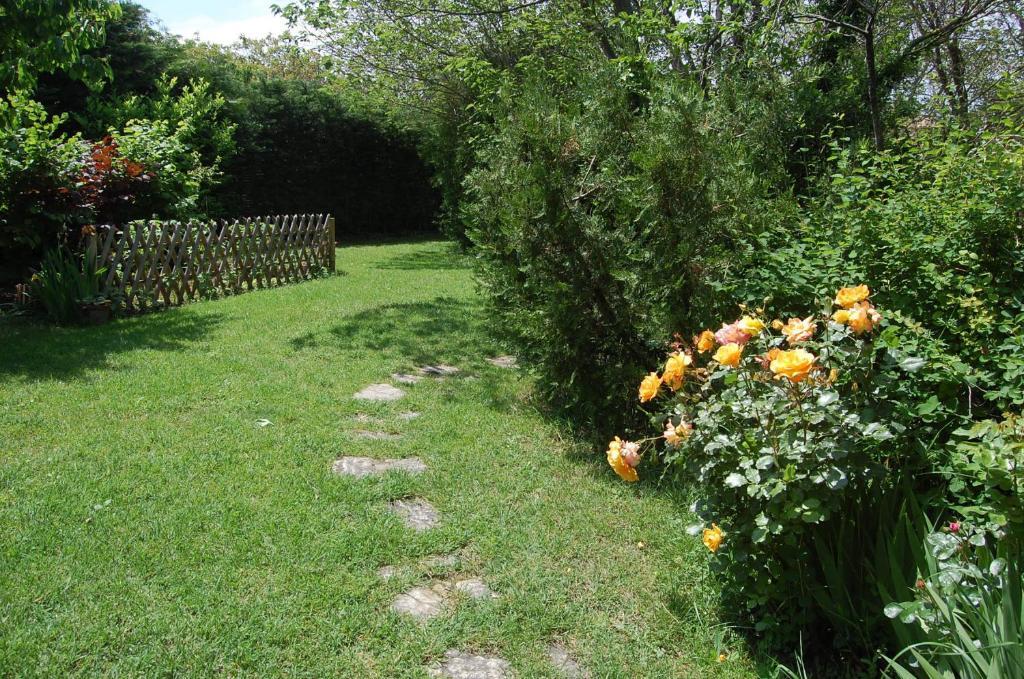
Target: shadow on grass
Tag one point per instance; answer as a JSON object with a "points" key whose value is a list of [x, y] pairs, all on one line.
{"points": [[441, 330], [447, 259], [36, 350]]}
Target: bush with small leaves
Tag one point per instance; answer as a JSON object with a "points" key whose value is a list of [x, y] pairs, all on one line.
{"points": [[781, 426]]}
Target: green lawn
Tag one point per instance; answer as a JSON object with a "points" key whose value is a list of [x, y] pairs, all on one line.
{"points": [[149, 526]]}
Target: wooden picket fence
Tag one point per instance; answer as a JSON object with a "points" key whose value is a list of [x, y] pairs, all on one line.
{"points": [[156, 264]]}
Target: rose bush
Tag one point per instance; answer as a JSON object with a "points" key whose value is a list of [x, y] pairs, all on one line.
{"points": [[781, 425]]}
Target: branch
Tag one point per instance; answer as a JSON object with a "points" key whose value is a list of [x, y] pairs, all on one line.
{"points": [[832, 22], [936, 36], [476, 12]]}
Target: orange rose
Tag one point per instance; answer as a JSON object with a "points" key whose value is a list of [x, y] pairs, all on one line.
{"points": [[729, 355], [713, 537], [618, 452], [863, 318], [706, 342], [799, 330], [847, 297], [794, 365], [674, 435], [649, 387], [766, 359], [675, 369]]}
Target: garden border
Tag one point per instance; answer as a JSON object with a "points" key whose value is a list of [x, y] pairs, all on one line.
{"points": [[155, 264]]}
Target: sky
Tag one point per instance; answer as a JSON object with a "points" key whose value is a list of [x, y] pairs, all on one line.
{"points": [[219, 21]]}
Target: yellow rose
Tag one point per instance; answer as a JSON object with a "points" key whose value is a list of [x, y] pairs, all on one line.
{"points": [[729, 355], [863, 318], [847, 297], [713, 537], [649, 387], [706, 342], [794, 365], [776, 324], [618, 462], [841, 316], [675, 369], [799, 329], [750, 325]]}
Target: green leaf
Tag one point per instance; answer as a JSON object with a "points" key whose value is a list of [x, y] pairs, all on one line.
{"points": [[828, 398], [942, 545], [912, 364], [735, 480], [929, 406]]}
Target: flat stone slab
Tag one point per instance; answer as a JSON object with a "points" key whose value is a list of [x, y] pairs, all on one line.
{"points": [[423, 603], [427, 601], [380, 392], [404, 378], [475, 589], [461, 665], [377, 435], [408, 416], [440, 370], [503, 361], [361, 467], [416, 513], [564, 662], [364, 418], [385, 573]]}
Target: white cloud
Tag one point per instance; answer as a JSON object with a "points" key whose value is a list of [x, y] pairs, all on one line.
{"points": [[228, 31]]}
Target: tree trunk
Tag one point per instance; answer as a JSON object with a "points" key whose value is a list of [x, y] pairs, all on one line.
{"points": [[874, 104], [941, 75], [956, 71]]}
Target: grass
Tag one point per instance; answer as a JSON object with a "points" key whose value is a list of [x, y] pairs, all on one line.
{"points": [[150, 527]]}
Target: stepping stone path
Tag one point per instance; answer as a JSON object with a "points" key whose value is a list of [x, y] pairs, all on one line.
{"points": [[459, 665], [380, 392], [475, 589], [440, 370], [377, 435], [564, 663], [416, 513], [425, 602], [362, 467]]}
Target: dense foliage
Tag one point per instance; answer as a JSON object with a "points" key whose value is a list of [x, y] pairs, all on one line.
{"points": [[597, 230], [43, 36], [185, 130]]}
